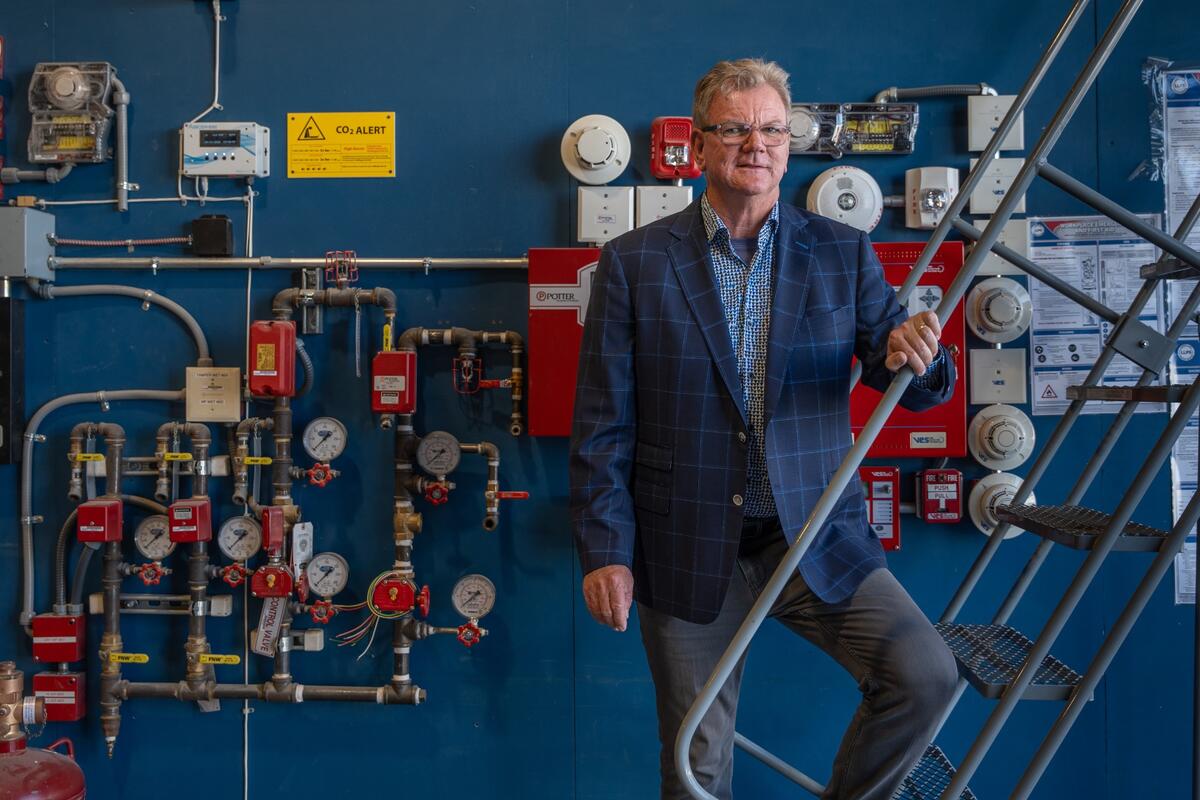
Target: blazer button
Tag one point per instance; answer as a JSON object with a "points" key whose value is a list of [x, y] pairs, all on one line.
{"points": [[742, 437], [737, 499]]}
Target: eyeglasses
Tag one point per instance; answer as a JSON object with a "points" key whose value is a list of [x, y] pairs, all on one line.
{"points": [[739, 132]]}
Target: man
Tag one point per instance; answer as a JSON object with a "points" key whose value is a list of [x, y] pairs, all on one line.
{"points": [[711, 410]]}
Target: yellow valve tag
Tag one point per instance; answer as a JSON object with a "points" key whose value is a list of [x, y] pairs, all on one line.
{"points": [[89, 456], [387, 338], [257, 461], [214, 658], [177, 456], [128, 658]]}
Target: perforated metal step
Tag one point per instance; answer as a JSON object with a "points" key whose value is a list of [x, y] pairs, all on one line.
{"points": [[989, 657], [929, 778], [1142, 394], [1079, 527]]}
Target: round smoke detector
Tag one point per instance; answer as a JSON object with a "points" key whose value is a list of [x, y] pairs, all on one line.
{"points": [[595, 149], [67, 88], [998, 310], [997, 489], [1001, 437], [849, 195]]}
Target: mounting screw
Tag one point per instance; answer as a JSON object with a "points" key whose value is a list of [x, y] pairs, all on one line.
{"points": [[1142, 343]]}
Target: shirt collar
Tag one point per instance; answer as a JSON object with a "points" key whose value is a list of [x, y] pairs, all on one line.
{"points": [[714, 226]]}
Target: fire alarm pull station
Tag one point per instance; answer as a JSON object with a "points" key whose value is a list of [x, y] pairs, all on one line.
{"points": [[882, 488], [939, 495], [942, 430]]}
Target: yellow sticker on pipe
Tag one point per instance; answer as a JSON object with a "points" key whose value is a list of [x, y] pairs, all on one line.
{"points": [[128, 658], [89, 456], [177, 456], [257, 461], [215, 658]]}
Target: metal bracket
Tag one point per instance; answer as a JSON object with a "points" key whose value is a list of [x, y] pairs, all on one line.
{"points": [[1141, 344], [311, 640], [311, 279], [173, 604]]}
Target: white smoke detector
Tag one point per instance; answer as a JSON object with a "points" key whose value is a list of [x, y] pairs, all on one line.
{"points": [[998, 310], [849, 195], [1001, 437], [997, 489], [595, 149]]}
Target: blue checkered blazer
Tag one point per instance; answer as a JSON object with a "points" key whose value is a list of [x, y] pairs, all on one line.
{"points": [[658, 447]]}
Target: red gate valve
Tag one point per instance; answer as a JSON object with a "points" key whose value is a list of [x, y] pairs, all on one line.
{"points": [[320, 474], [322, 612], [234, 575], [437, 493], [470, 634], [151, 573], [512, 495], [423, 601], [272, 581]]}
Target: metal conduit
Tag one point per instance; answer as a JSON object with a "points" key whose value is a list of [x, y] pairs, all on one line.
{"points": [[267, 262]]}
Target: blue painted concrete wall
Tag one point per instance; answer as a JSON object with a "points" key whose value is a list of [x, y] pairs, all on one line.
{"points": [[551, 705]]}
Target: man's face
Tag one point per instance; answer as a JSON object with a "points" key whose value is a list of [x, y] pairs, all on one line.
{"points": [[749, 168]]}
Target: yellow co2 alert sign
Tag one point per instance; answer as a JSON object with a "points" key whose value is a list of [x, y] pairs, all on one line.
{"points": [[360, 144]]}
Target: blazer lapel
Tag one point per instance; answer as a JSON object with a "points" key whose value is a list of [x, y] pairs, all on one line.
{"points": [[793, 271], [693, 268]]}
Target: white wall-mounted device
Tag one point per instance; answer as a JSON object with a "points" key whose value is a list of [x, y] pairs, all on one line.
{"points": [[226, 150], [928, 193], [998, 310], [1001, 437], [996, 489], [997, 180], [849, 195], [595, 149]]}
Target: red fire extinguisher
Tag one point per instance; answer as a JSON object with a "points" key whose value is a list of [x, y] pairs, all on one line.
{"points": [[31, 773]]}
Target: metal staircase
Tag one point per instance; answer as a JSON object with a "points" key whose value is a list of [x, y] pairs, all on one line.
{"points": [[999, 661]]}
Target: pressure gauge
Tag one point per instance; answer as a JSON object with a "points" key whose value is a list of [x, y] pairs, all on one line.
{"points": [[152, 539], [474, 596], [439, 453], [806, 129], [325, 439], [240, 538], [328, 574]]}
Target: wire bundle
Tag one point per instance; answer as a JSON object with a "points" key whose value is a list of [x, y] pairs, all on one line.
{"points": [[367, 628]]}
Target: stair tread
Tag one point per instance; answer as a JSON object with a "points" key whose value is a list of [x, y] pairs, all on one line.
{"points": [[929, 778], [990, 656], [1078, 526]]}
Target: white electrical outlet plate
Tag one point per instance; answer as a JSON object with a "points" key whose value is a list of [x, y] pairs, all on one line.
{"points": [[997, 180], [1014, 236], [999, 376], [656, 202], [605, 212], [984, 115]]}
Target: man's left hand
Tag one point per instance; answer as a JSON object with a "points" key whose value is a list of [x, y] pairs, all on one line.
{"points": [[915, 343]]}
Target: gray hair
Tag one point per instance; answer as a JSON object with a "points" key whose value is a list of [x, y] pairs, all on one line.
{"points": [[727, 77]]}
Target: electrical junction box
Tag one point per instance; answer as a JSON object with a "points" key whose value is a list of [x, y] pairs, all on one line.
{"points": [[62, 694], [394, 382], [226, 149], [212, 236], [605, 212], [1015, 236], [940, 495], [996, 182], [560, 286], [881, 485], [214, 394], [25, 248], [99, 520], [999, 376], [942, 430], [59, 638], [190, 521], [984, 115], [656, 202], [273, 358]]}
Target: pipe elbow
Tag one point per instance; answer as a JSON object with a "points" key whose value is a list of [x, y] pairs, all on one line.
{"points": [[385, 298], [409, 339], [284, 302]]}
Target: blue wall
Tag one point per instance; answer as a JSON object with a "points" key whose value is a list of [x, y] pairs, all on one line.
{"points": [[550, 705]]}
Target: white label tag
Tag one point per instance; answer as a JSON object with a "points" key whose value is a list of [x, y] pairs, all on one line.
{"points": [[302, 546], [389, 383], [389, 399], [927, 440], [270, 620], [56, 698]]}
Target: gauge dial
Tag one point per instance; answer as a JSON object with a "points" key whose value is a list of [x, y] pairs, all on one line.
{"points": [[328, 574], [240, 538], [474, 596], [439, 453], [806, 129], [152, 539], [325, 438]]}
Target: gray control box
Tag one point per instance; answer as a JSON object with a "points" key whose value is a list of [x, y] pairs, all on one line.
{"points": [[25, 248]]}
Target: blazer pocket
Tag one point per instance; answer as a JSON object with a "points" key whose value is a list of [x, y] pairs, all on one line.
{"points": [[654, 456], [824, 319]]}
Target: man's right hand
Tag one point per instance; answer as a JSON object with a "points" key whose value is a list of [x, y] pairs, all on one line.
{"points": [[608, 592]]}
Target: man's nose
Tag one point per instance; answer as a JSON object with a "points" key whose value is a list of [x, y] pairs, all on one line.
{"points": [[754, 141]]}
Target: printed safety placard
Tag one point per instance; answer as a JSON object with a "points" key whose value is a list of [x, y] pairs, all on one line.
{"points": [[341, 144]]}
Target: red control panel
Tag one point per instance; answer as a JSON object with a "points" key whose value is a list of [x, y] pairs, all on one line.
{"points": [[59, 638], [190, 521], [881, 485], [394, 382], [62, 693]]}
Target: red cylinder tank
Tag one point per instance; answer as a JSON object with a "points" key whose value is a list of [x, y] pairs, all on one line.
{"points": [[37, 774]]}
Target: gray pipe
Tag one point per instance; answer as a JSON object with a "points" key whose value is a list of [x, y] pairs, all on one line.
{"points": [[12, 175], [307, 365], [48, 291], [121, 101], [892, 94], [31, 434], [267, 262], [79, 579]]}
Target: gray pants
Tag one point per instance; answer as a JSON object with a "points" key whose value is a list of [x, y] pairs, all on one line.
{"points": [[905, 672]]}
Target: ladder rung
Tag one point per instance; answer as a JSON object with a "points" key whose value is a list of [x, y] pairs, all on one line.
{"points": [[989, 657], [929, 778], [1142, 394], [1169, 267], [1079, 527]]}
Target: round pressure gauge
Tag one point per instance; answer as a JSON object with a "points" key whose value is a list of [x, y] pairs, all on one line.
{"points": [[474, 596], [998, 310], [806, 129], [439, 453], [240, 538], [152, 539], [328, 574], [996, 489], [325, 438]]}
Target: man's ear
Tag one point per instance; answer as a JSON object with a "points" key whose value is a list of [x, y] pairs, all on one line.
{"points": [[698, 148]]}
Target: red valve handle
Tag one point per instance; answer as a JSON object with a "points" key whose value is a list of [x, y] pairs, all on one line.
{"points": [[322, 612], [469, 634], [512, 495], [151, 573], [423, 601], [437, 493], [234, 575], [319, 474]]}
